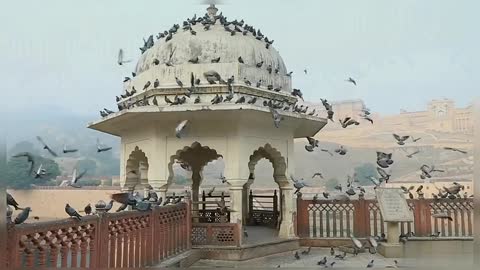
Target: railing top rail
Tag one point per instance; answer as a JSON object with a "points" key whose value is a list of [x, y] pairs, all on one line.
{"points": [[28, 228], [214, 224]]}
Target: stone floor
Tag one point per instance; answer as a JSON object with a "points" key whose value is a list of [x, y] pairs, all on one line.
{"points": [[287, 260], [258, 235]]}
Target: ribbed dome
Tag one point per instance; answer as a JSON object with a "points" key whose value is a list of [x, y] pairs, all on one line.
{"points": [[209, 45]]}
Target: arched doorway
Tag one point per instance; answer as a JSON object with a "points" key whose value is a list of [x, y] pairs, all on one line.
{"points": [[193, 158], [275, 212], [136, 170]]}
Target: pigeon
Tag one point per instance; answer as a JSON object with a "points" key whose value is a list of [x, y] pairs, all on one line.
{"points": [[120, 59], [341, 256], [350, 192], [332, 251], [109, 206], [40, 172], [415, 140], [325, 194], [156, 62], [72, 212], [102, 149], [197, 100], [23, 216], [289, 74], [296, 255], [317, 174], [179, 83], [348, 121], [297, 184], [370, 264], [210, 192], [247, 82], [341, 150], [75, 178], [277, 118], [216, 60], [312, 143], [147, 84], [240, 100], [412, 154], [384, 176], [180, 129], [240, 60], [126, 79], [46, 147], [156, 83], [155, 101], [327, 151], [368, 119], [270, 69], [194, 60], [455, 150], [253, 100], [322, 261], [338, 187], [11, 201], [88, 209], [400, 139], [259, 65], [30, 160], [297, 93], [351, 81], [167, 100], [66, 150], [193, 32], [306, 252]]}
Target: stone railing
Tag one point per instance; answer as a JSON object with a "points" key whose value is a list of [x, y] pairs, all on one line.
{"points": [[362, 218], [109, 240], [216, 234]]}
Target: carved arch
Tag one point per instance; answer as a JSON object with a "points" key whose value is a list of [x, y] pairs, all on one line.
{"points": [[136, 168], [274, 156], [195, 155]]}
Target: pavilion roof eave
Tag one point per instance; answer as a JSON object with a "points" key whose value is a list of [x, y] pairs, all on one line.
{"points": [[113, 124]]}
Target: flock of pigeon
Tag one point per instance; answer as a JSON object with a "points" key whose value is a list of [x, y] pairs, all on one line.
{"points": [[371, 245], [384, 161], [125, 199]]}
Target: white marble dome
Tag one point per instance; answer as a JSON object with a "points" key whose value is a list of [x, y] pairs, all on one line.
{"points": [[208, 45]]}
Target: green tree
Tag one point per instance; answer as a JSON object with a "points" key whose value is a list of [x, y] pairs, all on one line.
{"points": [[87, 164], [364, 172], [17, 172], [23, 146], [331, 184]]}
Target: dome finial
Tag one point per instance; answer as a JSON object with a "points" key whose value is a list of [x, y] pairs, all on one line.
{"points": [[212, 10]]}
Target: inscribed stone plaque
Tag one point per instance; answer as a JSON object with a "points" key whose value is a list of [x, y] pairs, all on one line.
{"points": [[393, 205]]}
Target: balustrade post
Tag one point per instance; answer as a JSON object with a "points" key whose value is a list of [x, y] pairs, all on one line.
{"points": [[361, 218], [303, 223], [189, 223], [422, 221]]}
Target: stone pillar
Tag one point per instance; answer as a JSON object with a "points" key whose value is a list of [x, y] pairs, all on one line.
{"points": [[196, 181], [143, 177], [245, 200], [287, 203], [393, 234], [236, 200]]}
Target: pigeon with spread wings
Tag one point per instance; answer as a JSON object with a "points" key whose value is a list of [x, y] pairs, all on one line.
{"points": [[46, 147]]}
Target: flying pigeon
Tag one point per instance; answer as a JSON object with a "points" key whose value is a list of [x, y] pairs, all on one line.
{"points": [[120, 59], [351, 81], [46, 147], [179, 130]]}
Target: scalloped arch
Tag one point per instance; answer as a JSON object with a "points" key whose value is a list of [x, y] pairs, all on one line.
{"points": [[209, 154], [271, 154]]}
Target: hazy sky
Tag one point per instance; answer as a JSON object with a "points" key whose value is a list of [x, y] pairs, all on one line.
{"points": [[402, 53]]}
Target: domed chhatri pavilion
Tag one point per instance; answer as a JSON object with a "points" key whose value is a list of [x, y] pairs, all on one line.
{"points": [[242, 133]]}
